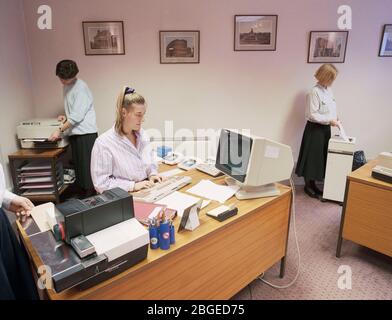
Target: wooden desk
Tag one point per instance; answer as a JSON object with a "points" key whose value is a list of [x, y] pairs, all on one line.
{"points": [[215, 261], [22, 156], [367, 211]]}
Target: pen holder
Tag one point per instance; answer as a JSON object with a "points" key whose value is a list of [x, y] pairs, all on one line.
{"points": [[164, 236], [172, 235], [154, 237]]}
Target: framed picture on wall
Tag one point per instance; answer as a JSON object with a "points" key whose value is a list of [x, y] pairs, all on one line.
{"points": [[103, 37], [179, 46], [386, 42], [327, 46], [255, 32]]}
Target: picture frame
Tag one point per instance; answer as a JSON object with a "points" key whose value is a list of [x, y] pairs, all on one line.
{"points": [[103, 38], [179, 46], [255, 32], [327, 46], [386, 42]]}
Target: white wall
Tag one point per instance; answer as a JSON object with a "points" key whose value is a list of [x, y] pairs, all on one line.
{"points": [[262, 91], [16, 99]]}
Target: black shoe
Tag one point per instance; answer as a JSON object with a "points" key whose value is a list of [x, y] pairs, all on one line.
{"points": [[316, 189], [310, 192]]}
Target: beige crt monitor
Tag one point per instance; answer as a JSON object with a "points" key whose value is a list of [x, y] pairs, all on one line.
{"points": [[254, 163]]}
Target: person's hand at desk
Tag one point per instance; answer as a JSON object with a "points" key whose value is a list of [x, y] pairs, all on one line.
{"points": [[156, 178], [145, 184], [21, 207]]}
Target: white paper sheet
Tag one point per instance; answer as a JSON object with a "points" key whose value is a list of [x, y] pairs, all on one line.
{"points": [[205, 203], [178, 201], [208, 189], [171, 173], [342, 132], [40, 215]]}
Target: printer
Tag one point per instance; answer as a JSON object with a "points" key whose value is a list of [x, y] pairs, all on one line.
{"points": [[36, 132], [339, 165], [84, 242]]}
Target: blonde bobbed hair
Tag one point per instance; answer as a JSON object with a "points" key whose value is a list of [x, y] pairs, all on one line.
{"points": [[326, 74]]}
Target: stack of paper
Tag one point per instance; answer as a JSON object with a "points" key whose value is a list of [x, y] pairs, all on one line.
{"points": [[213, 191]]}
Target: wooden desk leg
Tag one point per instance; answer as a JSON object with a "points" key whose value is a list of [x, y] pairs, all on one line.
{"points": [[340, 237], [282, 267], [283, 260]]}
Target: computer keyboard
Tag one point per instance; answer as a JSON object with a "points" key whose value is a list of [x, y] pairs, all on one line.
{"points": [[209, 169], [161, 190]]}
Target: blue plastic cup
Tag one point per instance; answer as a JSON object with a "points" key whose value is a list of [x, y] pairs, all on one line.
{"points": [[154, 237], [164, 236]]}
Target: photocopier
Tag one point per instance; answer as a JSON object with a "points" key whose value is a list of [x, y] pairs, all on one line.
{"points": [[84, 242], [36, 132]]}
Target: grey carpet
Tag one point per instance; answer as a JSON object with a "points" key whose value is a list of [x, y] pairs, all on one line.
{"points": [[317, 229]]}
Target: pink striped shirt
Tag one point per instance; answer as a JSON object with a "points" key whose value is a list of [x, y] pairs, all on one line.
{"points": [[116, 162]]}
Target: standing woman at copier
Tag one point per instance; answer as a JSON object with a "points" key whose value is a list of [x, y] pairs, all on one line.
{"points": [[16, 280], [122, 156], [320, 115], [79, 122]]}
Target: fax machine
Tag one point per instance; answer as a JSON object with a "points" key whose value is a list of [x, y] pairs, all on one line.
{"points": [[88, 241], [36, 132]]}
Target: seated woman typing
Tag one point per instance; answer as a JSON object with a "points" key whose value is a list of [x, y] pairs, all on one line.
{"points": [[122, 157]]}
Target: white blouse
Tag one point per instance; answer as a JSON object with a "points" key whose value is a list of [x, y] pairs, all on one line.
{"points": [[321, 105], [116, 162]]}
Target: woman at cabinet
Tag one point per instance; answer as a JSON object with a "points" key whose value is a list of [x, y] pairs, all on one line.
{"points": [[79, 122], [320, 114], [121, 156]]}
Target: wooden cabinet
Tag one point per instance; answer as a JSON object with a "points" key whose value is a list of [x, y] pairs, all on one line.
{"points": [[53, 157]]}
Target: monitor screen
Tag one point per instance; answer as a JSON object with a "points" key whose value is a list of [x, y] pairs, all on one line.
{"points": [[233, 154]]}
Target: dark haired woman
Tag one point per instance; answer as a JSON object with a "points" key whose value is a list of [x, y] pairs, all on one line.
{"points": [[79, 122]]}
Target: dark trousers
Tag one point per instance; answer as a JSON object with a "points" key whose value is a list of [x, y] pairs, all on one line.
{"points": [[16, 280], [82, 145]]}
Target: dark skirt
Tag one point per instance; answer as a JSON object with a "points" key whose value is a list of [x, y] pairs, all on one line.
{"points": [[312, 157], [82, 145], [16, 280]]}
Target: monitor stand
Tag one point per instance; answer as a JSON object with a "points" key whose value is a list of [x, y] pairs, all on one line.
{"points": [[248, 192]]}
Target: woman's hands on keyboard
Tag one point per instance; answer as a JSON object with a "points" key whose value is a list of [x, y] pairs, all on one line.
{"points": [[145, 184], [156, 178]]}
